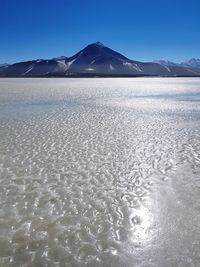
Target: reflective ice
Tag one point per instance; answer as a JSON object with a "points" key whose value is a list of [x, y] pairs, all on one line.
{"points": [[100, 172]]}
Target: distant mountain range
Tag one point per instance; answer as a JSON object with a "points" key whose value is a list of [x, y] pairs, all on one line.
{"points": [[193, 63], [98, 60]]}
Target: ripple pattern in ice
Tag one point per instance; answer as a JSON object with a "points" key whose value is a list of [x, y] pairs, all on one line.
{"points": [[93, 175]]}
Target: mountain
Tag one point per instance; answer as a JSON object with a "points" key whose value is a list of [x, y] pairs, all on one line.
{"points": [[165, 63], [95, 60], [3, 65], [192, 63]]}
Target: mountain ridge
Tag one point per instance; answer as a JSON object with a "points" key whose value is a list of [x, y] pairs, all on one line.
{"points": [[191, 63], [96, 59]]}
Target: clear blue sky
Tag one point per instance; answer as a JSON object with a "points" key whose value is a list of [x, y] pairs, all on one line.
{"points": [[140, 29]]}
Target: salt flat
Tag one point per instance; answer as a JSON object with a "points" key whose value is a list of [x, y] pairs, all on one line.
{"points": [[100, 172]]}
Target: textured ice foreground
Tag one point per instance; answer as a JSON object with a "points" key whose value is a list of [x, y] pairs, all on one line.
{"points": [[100, 172]]}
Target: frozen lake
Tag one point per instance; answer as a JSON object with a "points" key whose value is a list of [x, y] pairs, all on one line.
{"points": [[100, 172]]}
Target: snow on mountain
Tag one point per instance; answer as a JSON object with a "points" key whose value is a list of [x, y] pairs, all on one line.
{"points": [[165, 63], [4, 65], [192, 63], [97, 59]]}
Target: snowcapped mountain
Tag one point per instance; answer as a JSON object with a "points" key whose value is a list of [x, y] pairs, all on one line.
{"points": [[95, 60], [165, 63], [3, 65], [192, 63]]}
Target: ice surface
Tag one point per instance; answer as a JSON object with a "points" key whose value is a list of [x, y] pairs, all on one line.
{"points": [[100, 172]]}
